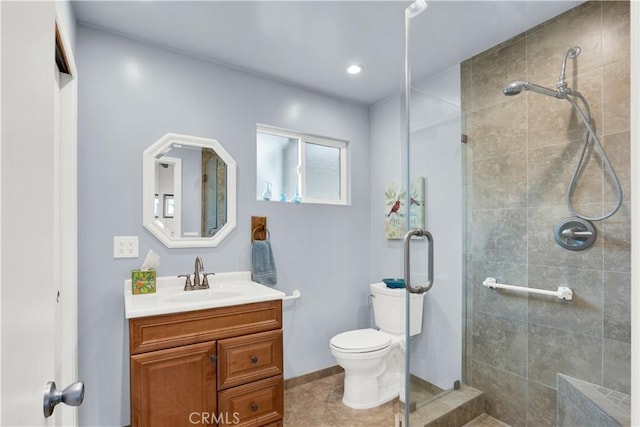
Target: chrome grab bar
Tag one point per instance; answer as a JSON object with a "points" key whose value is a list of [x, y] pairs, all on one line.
{"points": [[407, 261]]}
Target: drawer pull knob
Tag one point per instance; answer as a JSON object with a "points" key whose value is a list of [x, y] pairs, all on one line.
{"points": [[254, 359], [213, 357], [254, 407]]}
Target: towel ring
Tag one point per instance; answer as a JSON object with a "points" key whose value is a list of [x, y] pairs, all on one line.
{"points": [[260, 229]]}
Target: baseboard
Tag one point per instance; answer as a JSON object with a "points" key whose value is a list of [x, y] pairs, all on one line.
{"points": [[312, 376]]}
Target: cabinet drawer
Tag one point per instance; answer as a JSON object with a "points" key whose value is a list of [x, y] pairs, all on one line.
{"points": [[249, 358], [254, 404], [172, 330]]}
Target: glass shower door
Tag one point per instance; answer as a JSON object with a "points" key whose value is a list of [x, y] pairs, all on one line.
{"points": [[433, 151], [434, 356]]}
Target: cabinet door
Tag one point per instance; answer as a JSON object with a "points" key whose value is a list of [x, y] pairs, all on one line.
{"points": [[174, 387]]}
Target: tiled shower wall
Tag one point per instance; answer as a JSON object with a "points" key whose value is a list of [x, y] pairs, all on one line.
{"points": [[520, 155]]}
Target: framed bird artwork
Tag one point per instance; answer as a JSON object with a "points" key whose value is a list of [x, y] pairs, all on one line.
{"points": [[396, 215]]}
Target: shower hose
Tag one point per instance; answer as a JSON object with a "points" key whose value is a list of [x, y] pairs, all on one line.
{"points": [[590, 134]]}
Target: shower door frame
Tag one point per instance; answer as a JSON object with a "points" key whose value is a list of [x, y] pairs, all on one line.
{"points": [[635, 211]]}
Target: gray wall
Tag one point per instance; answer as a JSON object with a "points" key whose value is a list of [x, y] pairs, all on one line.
{"points": [[131, 94], [521, 154]]}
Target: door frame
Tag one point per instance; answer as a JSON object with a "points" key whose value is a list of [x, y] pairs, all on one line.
{"points": [[68, 220], [176, 228]]}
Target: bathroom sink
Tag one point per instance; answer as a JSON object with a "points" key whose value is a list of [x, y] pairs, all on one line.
{"points": [[226, 289], [202, 294]]}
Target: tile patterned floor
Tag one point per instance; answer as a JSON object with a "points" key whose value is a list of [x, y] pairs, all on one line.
{"points": [[319, 404]]}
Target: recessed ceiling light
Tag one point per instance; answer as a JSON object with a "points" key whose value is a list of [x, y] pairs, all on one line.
{"points": [[355, 69]]}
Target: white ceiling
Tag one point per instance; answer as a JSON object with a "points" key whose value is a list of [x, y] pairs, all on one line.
{"points": [[310, 43]]}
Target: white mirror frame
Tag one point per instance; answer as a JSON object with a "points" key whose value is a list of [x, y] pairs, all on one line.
{"points": [[149, 156]]}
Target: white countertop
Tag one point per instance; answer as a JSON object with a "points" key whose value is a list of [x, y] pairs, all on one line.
{"points": [[225, 289]]}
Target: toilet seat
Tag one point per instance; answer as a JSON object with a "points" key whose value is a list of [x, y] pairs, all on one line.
{"points": [[360, 341]]}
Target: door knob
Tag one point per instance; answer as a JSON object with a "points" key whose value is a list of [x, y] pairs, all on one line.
{"points": [[72, 396]]}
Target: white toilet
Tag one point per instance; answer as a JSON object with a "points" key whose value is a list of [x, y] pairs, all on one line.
{"points": [[372, 359]]}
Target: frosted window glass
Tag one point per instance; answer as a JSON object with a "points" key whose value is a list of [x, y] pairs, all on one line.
{"points": [[322, 168]]}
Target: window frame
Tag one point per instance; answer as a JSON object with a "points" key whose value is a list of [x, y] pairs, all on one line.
{"points": [[302, 139]]}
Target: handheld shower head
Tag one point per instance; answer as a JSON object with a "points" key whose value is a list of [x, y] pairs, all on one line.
{"points": [[516, 87], [571, 53]]}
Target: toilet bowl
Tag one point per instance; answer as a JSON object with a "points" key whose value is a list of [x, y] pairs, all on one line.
{"points": [[373, 360], [370, 360]]}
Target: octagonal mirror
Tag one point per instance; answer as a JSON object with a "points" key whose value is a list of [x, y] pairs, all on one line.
{"points": [[189, 191]]}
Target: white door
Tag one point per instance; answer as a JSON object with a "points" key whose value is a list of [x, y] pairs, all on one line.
{"points": [[37, 216]]}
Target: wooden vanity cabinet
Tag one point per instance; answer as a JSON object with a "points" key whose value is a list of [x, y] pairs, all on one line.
{"points": [[215, 366]]}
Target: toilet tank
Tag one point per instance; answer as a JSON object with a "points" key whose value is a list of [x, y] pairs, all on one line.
{"points": [[389, 309]]}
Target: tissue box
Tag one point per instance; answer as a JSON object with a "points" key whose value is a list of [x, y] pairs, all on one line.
{"points": [[143, 282]]}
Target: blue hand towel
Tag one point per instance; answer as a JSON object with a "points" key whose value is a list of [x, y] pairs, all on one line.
{"points": [[262, 265]]}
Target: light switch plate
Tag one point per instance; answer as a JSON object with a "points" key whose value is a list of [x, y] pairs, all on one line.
{"points": [[125, 246]]}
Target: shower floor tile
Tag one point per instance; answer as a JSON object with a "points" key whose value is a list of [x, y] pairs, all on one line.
{"points": [[485, 420]]}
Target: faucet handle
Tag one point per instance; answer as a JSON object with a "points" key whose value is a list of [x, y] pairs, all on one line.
{"points": [[205, 281], [187, 284]]}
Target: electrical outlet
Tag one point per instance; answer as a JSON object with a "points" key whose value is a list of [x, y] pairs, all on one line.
{"points": [[125, 246]]}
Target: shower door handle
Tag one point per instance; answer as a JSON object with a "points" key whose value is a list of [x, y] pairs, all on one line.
{"points": [[407, 261]]}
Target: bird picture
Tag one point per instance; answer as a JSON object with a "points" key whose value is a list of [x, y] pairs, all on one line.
{"points": [[404, 207], [394, 208]]}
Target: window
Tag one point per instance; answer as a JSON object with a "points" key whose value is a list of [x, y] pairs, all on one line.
{"points": [[293, 167]]}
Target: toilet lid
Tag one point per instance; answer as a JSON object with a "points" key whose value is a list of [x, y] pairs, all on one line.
{"points": [[360, 341]]}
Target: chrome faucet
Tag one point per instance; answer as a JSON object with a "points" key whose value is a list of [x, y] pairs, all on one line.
{"points": [[196, 284], [196, 274]]}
